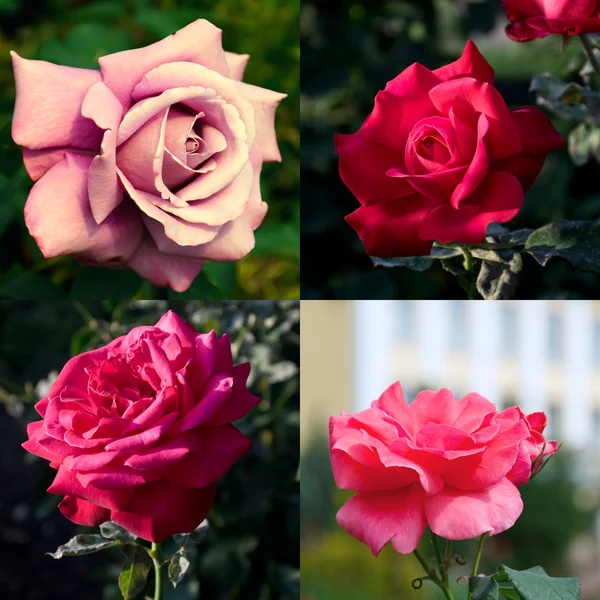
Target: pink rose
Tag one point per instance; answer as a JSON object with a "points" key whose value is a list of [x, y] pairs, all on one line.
{"points": [[435, 462], [140, 430], [153, 162]]}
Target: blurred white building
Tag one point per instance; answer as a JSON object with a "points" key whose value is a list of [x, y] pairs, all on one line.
{"points": [[542, 355]]}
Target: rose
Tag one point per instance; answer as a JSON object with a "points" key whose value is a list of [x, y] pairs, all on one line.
{"points": [[440, 157], [153, 162], [140, 430], [530, 19], [451, 465]]}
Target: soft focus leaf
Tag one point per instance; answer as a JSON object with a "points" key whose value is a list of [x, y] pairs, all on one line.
{"points": [[178, 567], [483, 588], [201, 289], [112, 531], [132, 579], [92, 283], [565, 100], [536, 584], [84, 544], [577, 241], [29, 286]]}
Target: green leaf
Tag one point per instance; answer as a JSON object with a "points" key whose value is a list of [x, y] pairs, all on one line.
{"points": [[483, 588], [197, 536], [584, 141], [112, 531], [178, 567], [576, 241], [565, 100], [84, 544], [29, 286], [536, 584], [132, 579], [201, 289], [497, 279], [92, 283], [223, 275], [417, 263]]}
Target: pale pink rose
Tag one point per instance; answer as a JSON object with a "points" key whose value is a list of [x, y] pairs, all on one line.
{"points": [[153, 162]]}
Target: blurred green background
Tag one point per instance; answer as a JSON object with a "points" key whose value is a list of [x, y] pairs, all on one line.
{"points": [[76, 33], [367, 43], [252, 551]]}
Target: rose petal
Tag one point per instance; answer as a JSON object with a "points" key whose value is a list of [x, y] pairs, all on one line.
{"points": [[199, 42], [460, 515], [378, 518], [83, 512], [470, 64], [48, 105], [63, 191], [237, 64]]}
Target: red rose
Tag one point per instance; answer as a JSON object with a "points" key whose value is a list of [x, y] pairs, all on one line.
{"points": [[140, 429], [530, 19], [440, 157]]}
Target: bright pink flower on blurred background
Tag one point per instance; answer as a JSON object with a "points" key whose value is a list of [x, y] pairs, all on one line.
{"points": [[153, 162], [451, 465], [530, 19], [140, 430]]}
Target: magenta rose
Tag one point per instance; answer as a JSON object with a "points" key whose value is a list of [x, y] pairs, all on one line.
{"points": [[140, 430], [452, 466], [153, 162]]}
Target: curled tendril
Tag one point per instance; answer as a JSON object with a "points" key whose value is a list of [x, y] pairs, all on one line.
{"points": [[461, 560], [461, 579], [417, 584]]}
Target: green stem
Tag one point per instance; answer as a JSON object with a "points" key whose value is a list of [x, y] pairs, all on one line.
{"points": [[441, 584], [469, 262], [589, 50], [156, 556], [438, 556], [478, 558]]}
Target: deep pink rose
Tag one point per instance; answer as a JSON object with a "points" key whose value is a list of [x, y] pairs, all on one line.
{"points": [[153, 162], [140, 429], [530, 19], [451, 465], [440, 158]]}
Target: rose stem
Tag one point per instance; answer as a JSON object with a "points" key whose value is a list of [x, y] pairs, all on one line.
{"points": [[157, 559], [589, 50], [443, 586], [478, 557], [438, 555]]}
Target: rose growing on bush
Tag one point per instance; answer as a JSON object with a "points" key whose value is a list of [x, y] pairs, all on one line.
{"points": [[441, 157], [153, 161], [530, 19], [451, 465], [140, 430]]}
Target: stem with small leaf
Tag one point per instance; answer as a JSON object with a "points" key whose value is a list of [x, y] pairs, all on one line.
{"points": [[589, 50], [431, 574], [478, 557], [156, 557]]}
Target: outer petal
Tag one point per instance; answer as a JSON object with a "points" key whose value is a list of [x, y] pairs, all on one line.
{"points": [[199, 42], [161, 269], [378, 518], [363, 168], [470, 64], [48, 106], [63, 192], [498, 200], [237, 64], [39, 162], [83, 512], [222, 447], [159, 509], [459, 515], [392, 228], [265, 103]]}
